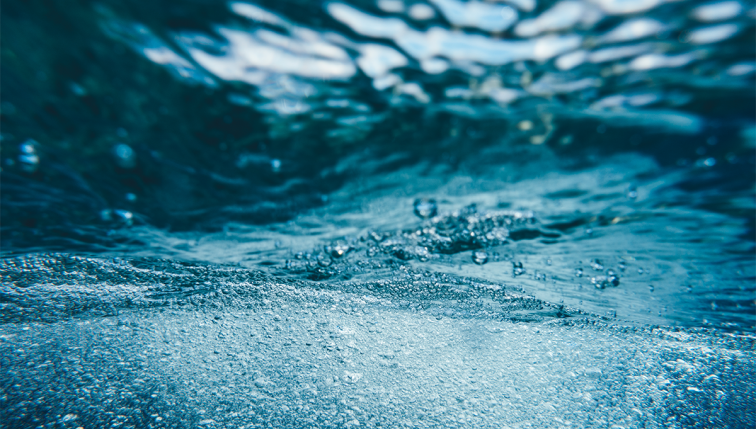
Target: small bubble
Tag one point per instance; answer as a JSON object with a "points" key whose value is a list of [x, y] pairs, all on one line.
{"points": [[640, 270], [338, 249], [597, 265], [599, 282], [124, 155], [425, 208], [612, 278], [497, 235], [28, 158], [421, 253], [650, 288], [275, 165], [324, 261], [125, 216], [27, 147], [480, 257], [632, 193], [710, 162], [579, 272], [517, 269], [130, 197]]}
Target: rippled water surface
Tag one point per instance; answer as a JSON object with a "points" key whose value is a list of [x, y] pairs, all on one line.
{"points": [[511, 213]]}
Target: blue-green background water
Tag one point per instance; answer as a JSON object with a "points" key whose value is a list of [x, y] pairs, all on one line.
{"points": [[335, 176]]}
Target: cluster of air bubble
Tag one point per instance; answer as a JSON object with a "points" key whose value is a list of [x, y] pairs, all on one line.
{"points": [[604, 278], [450, 233], [459, 231]]}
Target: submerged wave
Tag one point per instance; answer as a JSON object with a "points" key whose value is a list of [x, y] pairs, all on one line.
{"points": [[449, 213]]}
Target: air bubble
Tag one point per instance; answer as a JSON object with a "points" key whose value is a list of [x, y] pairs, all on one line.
{"points": [[338, 249], [421, 253], [517, 269], [125, 216], [28, 158], [480, 257], [599, 282], [125, 156], [324, 261], [612, 277], [425, 208], [603, 282]]}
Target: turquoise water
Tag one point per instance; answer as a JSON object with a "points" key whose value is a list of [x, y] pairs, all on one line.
{"points": [[380, 214]]}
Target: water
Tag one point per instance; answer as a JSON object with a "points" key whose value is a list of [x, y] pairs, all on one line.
{"points": [[378, 214]]}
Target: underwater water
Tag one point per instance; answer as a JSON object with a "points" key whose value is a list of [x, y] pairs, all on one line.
{"points": [[500, 214]]}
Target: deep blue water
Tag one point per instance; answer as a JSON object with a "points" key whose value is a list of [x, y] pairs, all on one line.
{"points": [[513, 213]]}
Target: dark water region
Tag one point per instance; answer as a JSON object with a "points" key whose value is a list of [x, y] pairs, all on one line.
{"points": [[510, 213]]}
